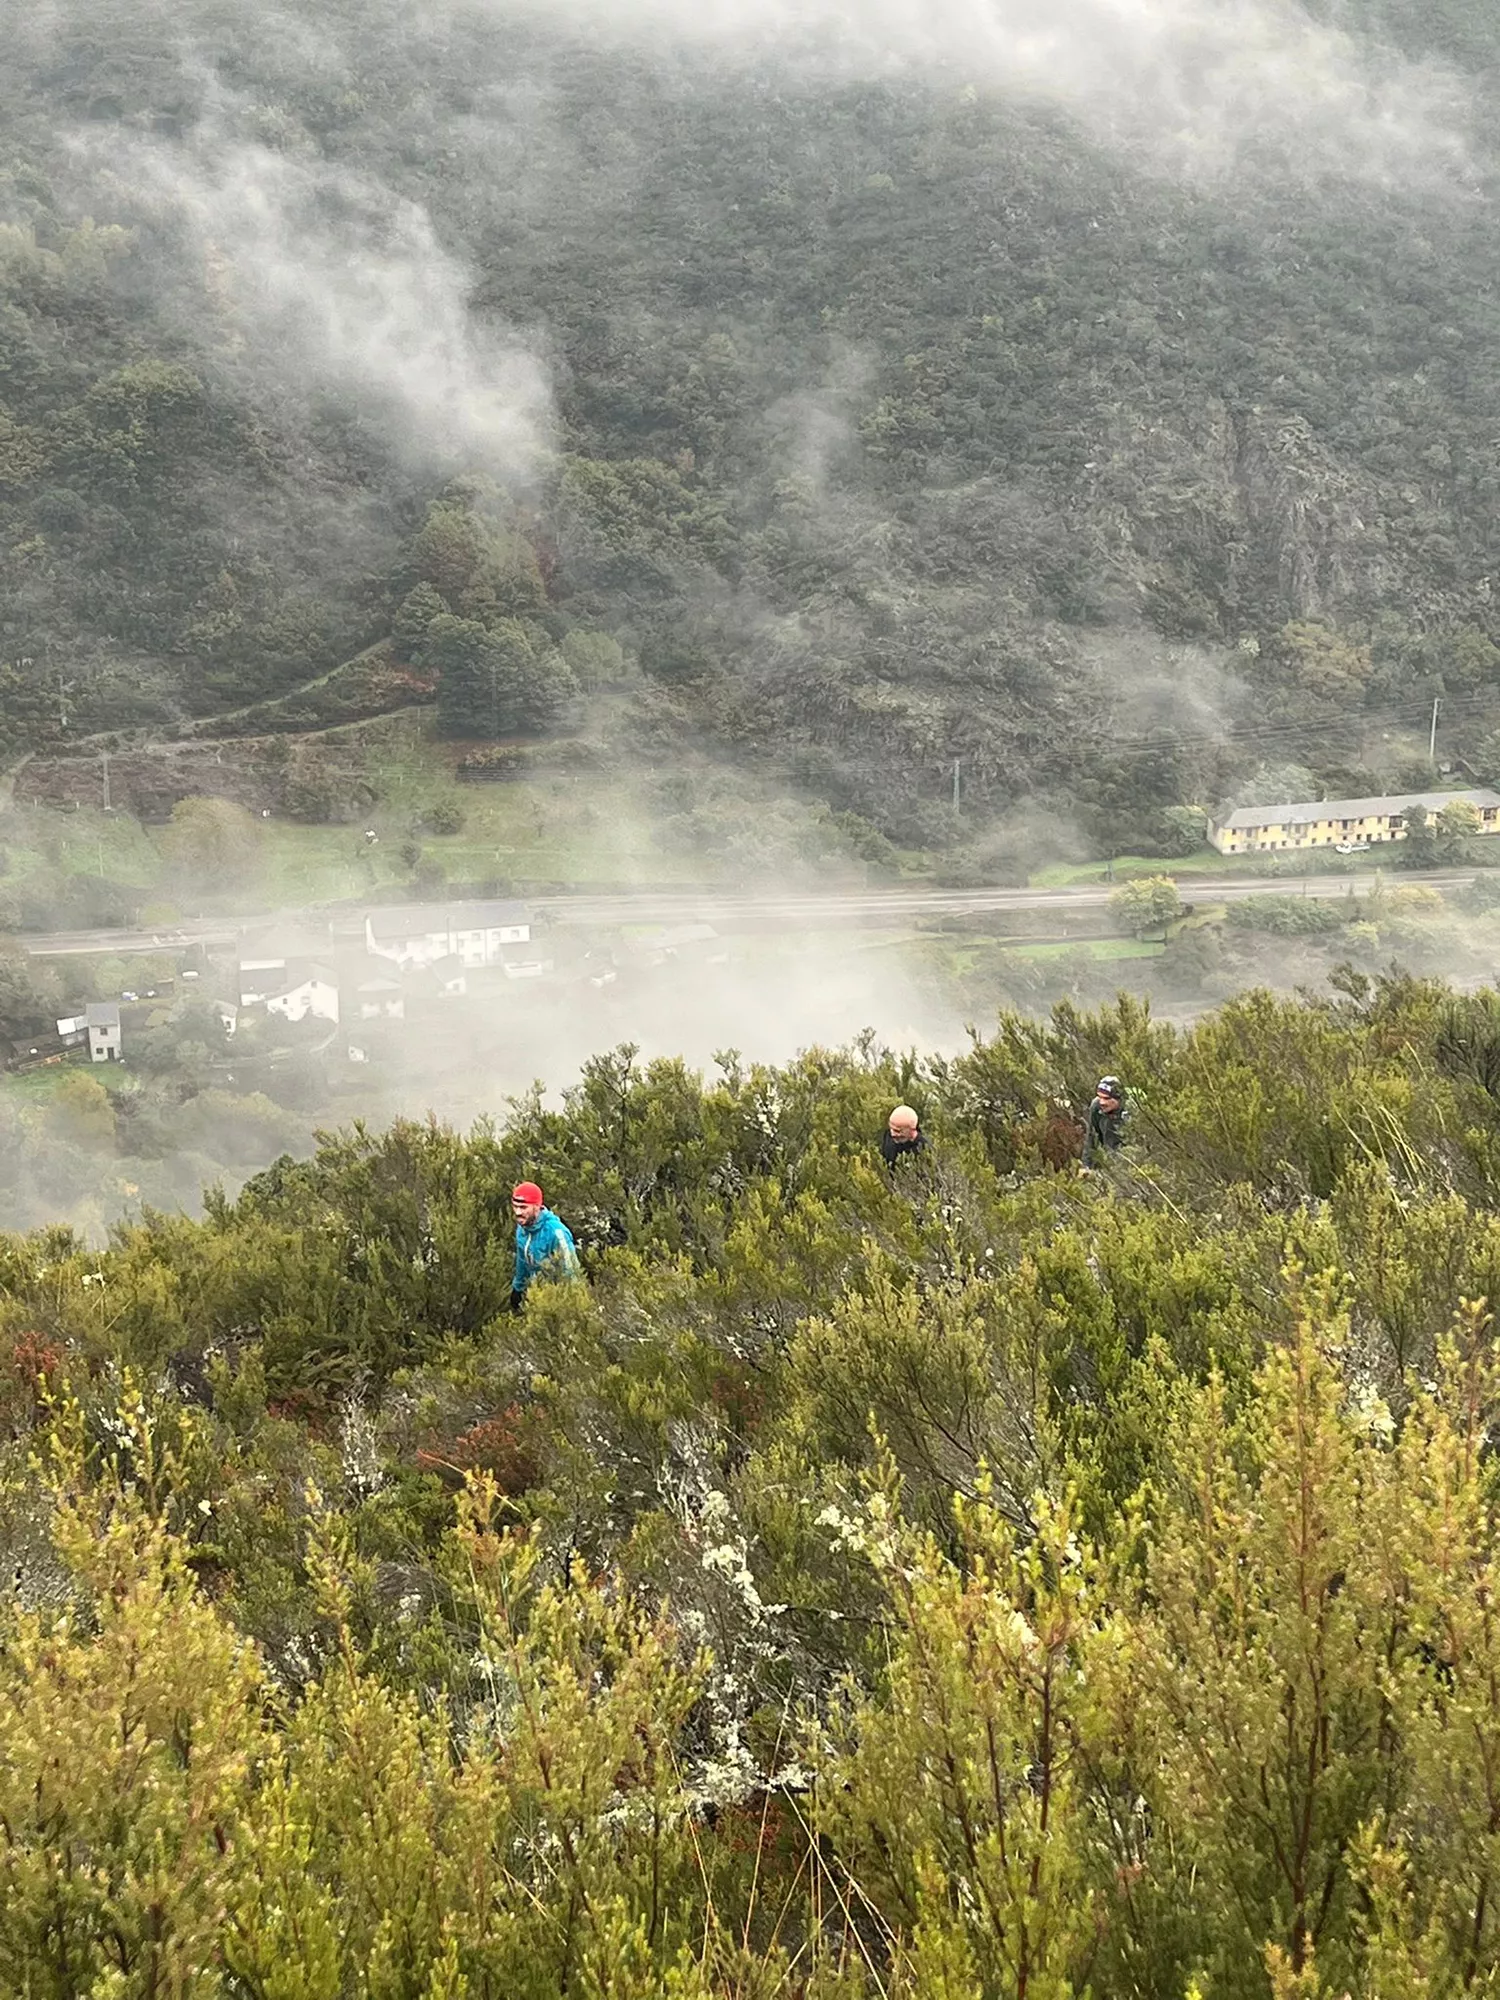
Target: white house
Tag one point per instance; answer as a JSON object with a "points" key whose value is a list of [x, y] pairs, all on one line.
{"points": [[448, 976], [103, 1020], [311, 989], [270, 960], [380, 999], [475, 933]]}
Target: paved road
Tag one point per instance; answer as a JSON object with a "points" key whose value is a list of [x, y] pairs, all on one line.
{"points": [[64, 944], [875, 907], [813, 910]]}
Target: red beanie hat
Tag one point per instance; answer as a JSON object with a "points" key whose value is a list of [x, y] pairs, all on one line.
{"points": [[527, 1191]]}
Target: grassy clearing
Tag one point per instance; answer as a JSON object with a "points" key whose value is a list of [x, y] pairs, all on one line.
{"points": [[38, 1087], [554, 829], [1089, 948], [555, 825], [978, 954], [113, 846], [1204, 917], [1208, 861], [549, 830]]}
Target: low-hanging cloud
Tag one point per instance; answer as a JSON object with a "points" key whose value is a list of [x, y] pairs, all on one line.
{"points": [[325, 279], [1197, 84]]}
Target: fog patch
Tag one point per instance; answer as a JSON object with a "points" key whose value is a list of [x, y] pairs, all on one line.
{"points": [[1200, 85], [1156, 687], [323, 280]]}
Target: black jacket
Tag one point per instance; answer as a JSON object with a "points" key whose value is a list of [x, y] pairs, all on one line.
{"points": [[892, 1150], [1102, 1130]]}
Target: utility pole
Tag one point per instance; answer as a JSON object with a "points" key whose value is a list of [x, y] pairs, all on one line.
{"points": [[957, 764], [1432, 733], [105, 755]]}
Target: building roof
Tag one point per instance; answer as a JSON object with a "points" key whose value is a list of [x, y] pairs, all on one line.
{"points": [[102, 1014], [38, 1045], [410, 920], [297, 976], [1248, 817]]}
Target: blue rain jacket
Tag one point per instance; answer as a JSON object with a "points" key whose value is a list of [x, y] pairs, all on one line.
{"points": [[546, 1244]]}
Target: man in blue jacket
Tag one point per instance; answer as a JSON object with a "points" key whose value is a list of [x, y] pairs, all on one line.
{"points": [[544, 1244]]}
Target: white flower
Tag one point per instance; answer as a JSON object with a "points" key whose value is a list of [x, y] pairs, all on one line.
{"points": [[359, 1448], [1370, 1415], [1020, 1630]]}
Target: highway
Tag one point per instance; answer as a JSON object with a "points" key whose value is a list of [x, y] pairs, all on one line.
{"points": [[809, 910]]}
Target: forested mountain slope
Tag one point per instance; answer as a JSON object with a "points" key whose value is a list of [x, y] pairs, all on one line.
{"points": [[967, 1580], [890, 400]]}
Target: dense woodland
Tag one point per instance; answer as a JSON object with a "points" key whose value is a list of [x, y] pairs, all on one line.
{"points": [[976, 1580], [849, 424]]}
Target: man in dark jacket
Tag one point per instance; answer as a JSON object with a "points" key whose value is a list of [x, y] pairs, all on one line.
{"points": [[902, 1135], [1103, 1129]]}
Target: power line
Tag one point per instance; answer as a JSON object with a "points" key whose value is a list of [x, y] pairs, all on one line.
{"points": [[1233, 737]]}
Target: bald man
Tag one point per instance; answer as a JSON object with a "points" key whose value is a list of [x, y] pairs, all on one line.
{"points": [[902, 1135]]}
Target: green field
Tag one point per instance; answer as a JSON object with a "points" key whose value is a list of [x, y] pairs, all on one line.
{"points": [[1207, 861], [1088, 948], [551, 829], [40, 1086]]}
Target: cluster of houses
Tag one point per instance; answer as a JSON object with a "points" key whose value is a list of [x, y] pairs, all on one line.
{"points": [[361, 973], [398, 964], [386, 966]]}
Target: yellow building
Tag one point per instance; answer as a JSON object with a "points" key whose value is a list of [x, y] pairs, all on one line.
{"points": [[1338, 822]]}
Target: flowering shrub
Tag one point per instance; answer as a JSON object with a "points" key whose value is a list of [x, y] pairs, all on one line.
{"points": [[961, 1579]]}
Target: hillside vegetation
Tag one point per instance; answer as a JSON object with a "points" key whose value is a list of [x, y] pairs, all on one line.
{"points": [[977, 1581], [848, 423]]}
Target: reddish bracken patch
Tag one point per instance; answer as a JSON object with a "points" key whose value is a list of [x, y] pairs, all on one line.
{"points": [[35, 1357], [27, 1369], [301, 1406], [1060, 1140], [742, 1399], [504, 1445], [760, 1827]]}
